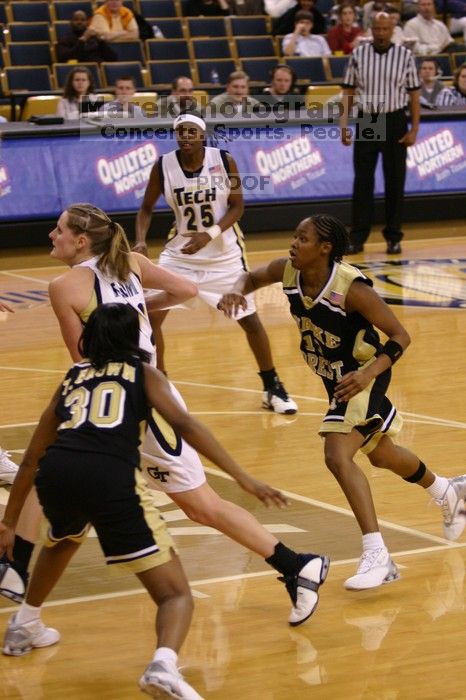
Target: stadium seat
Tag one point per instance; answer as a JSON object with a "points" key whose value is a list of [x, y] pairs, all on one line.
{"points": [[63, 9], [255, 47], [338, 66], [129, 51], [25, 11], [250, 26], [28, 31], [458, 59], [61, 70], [211, 48], [157, 8], [167, 50], [112, 71], [165, 72], [320, 94], [171, 28], [207, 27], [259, 69], [146, 100], [33, 78], [311, 70], [60, 29], [223, 67], [40, 104], [29, 53]]}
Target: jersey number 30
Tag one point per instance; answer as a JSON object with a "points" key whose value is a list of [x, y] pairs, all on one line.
{"points": [[103, 407]]}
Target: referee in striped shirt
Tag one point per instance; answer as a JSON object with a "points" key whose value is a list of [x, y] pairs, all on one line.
{"points": [[385, 77]]}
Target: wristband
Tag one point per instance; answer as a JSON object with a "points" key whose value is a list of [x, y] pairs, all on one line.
{"points": [[393, 350], [214, 231]]}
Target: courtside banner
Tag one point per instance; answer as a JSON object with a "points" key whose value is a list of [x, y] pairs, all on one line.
{"points": [[277, 163], [28, 186]]}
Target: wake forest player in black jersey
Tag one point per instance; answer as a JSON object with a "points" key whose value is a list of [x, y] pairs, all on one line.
{"points": [[89, 475], [337, 313]]}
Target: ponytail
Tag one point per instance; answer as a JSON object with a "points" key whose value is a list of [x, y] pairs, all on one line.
{"points": [[108, 239]]}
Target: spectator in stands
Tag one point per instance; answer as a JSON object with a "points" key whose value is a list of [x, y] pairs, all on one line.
{"points": [[333, 14], [301, 42], [180, 99], [82, 43], [285, 23], [207, 8], [432, 35], [282, 91], [431, 86], [236, 98], [79, 85], [457, 11], [122, 106], [114, 22], [456, 95], [342, 36]]}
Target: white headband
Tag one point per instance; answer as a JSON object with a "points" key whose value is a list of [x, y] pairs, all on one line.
{"points": [[189, 119]]}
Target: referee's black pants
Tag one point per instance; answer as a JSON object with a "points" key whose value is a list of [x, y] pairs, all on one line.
{"points": [[365, 156]]}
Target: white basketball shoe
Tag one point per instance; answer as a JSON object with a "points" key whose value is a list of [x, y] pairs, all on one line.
{"points": [[159, 681], [8, 469], [375, 568]]}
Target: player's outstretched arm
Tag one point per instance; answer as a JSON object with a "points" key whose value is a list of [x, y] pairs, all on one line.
{"points": [[198, 436]]}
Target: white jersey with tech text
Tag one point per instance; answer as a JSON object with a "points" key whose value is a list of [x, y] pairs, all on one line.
{"points": [[108, 290], [199, 200]]}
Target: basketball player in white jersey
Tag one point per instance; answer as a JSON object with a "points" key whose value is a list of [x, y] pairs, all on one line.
{"points": [[203, 187], [104, 270]]}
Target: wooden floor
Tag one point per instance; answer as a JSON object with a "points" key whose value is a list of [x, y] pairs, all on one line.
{"points": [[401, 641]]}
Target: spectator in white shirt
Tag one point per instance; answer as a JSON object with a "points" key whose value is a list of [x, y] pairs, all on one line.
{"points": [[301, 42], [432, 35]]}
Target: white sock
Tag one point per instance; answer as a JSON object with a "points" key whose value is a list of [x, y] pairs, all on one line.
{"points": [[373, 540], [168, 656], [438, 488], [27, 613]]}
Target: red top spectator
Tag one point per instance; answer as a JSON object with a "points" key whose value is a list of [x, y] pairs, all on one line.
{"points": [[342, 36]]}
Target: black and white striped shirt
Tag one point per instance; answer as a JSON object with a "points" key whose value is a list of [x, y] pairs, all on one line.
{"points": [[382, 78], [450, 96]]}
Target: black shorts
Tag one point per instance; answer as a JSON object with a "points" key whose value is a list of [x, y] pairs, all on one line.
{"points": [[79, 489]]}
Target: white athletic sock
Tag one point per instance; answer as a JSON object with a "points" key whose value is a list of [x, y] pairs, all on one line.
{"points": [[168, 656], [373, 540], [438, 488], [27, 613]]}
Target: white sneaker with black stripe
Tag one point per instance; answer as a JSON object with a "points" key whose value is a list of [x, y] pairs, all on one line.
{"points": [[276, 399]]}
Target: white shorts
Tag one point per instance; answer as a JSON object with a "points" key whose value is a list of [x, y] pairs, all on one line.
{"points": [[212, 284], [169, 463]]}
